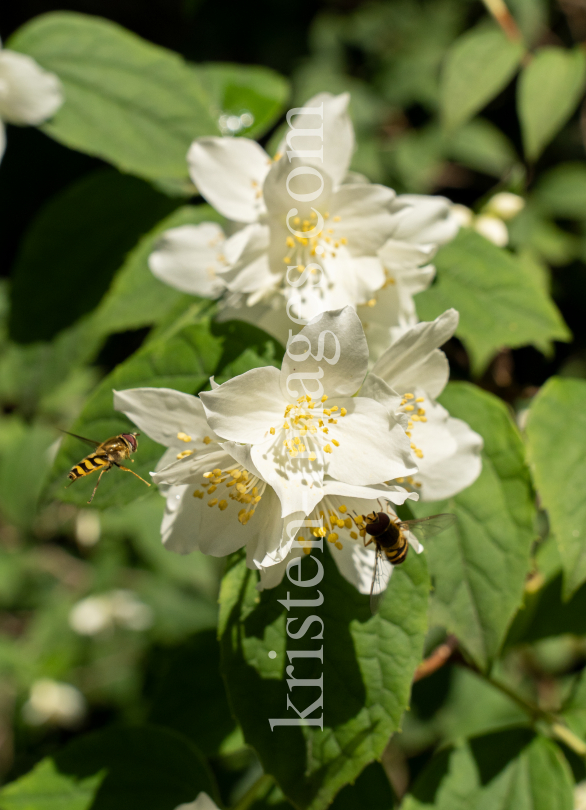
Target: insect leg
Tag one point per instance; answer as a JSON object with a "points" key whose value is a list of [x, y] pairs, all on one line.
{"points": [[369, 542], [126, 469], [98, 484]]}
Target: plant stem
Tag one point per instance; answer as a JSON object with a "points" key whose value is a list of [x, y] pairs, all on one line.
{"points": [[504, 18], [257, 790]]}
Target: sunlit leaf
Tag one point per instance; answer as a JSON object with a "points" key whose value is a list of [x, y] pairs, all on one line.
{"points": [[45, 788]]}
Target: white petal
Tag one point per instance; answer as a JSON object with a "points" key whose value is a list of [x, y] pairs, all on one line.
{"points": [[415, 361], [350, 493], [451, 454], [162, 413], [28, 94], [282, 182], [364, 218], [273, 544], [272, 575], [379, 390], [370, 450], [229, 173], [338, 134], [247, 253], [246, 407], [298, 483], [271, 319], [356, 564], [397, 255], [423, 219], [337, 337], [190, 257], [191, 468]]}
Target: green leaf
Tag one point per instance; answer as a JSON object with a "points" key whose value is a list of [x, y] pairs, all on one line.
{"points": [[501, 302], [73, 248], [127, 101], [561, 192], [146, 767], [549, 90], [479, 567], [136, 297], [510, 770], [25, 460], [183, 360], [368, 664], [478, 66], [245, 89], [483, 147], [45, 788], [556, 431]]}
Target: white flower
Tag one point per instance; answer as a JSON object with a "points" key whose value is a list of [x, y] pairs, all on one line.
{"points": [[492, 228], [202, 802], [217, 502], [191, 259], [28, 94], [56, 703], [94, 614], [505, 205], [303, 423], [447, 450]]}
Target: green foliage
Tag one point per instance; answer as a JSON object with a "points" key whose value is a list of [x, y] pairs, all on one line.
{"points": [[183, 360], [549, 90], [554, 429], [561, 191], [45, 788], [478, 66], [127, 101], [74, 247], [364, 695], [479, 566], [500, 301]]}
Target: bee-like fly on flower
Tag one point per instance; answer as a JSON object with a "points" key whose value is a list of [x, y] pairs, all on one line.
{"points": [[389, 534], [107, 454]]}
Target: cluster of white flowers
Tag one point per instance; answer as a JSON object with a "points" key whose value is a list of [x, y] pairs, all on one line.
{"points": [[274, 460], [53, 703], [28, 94]]}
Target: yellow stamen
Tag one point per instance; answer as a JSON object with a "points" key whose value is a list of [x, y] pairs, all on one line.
{"points": [[183, 437]]}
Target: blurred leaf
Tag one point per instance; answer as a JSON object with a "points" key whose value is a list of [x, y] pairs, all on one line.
{"points": [[561, 191], [531, 17], [477, 67], [127, 101], [479, 567], [574, 710], [556, 432], [146, 767], [530, 229], [73, 248], [136, 297], [201, 711], [549, 90], [507, 770], [368, 664], [45, 788], [545, 613], [183, 360], [501, 302], [237, 89], [483, 147], [371, 790], [418, 157], [25, 459]]}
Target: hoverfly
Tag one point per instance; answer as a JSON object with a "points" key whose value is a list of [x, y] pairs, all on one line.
{"points": [[107, 454], [392, 545]]}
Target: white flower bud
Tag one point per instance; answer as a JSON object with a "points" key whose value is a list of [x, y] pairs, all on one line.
{"points": [[87, 527], [462, 215], [56, 703], [579, 796], [91, 616], [129, 611], [492, 228], [505, 205]]}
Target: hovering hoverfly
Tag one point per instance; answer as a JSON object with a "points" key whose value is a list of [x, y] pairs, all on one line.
{"points": [[389, 536], [107, 454]]}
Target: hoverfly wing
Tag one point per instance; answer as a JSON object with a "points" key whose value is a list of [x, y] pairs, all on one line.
{"points": [[381, 575], [427, 527], [91, 442]]}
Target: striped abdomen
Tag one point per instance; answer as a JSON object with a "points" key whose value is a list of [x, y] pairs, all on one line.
{"points": [[88, 465], [397, 552]]}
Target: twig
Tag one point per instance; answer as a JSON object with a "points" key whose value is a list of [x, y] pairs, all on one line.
{"points": [[504, 18], [437, 659]]}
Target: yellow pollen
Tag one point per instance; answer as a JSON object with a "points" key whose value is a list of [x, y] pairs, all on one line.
{"points": [[286, 426], [343, 412], [300, 268], [198, 494], [296, 221], [307, 550], [207, 440], [344, 241], [289, 241], [324, 398], [343, 509], [327, 411], [207, 475], [212, 489], [287, 260], [419, 453], [217, 471], [183, 437], [420, 399], [332, 537], [359, 519], [353, 535], [336, 442], [235, 474], [312, 457], [337, 219], [332, 421], [407, 396], [326, 215], [371, 303], [223, 505], [423, 419], [409, 408], [327, 449], [185, 453], [340, 523], [213, 502], [241, 488], [272, 431]]}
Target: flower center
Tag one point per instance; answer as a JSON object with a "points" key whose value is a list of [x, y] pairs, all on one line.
{"points": [[302, 250], [306, 427], [415, 414], [235, 483], [336, 522], [184, 437]]}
